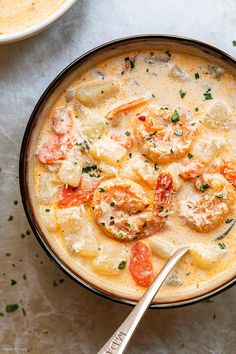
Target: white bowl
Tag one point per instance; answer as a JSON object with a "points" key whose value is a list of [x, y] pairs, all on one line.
{"points": [[37, 27]]}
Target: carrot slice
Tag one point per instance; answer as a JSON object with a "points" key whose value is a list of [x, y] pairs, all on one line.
{"points": [[141, 264], [53, 150]]}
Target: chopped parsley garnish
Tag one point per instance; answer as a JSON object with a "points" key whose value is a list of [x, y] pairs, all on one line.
{"points": [[148, 138], [156, 168], [23, 311], [222, 246], [28, 232], [130, 155], [10, 218], [203, 187], [112, 204], [190, 156], [13, 282], [196, 109], [8, 254], [88, 169], [175, 117], [127, 133], [234, 43], [15, 202], [228, 221], [182, 93], [208, 95], [171, 151], [122, 265], [178, 132], [47, 210], [120, 235], [197, 76], [167, 52], [24, 276], [220, 196], [153, 95], [101, 190], [11, 308], [84, 145], [111, 217]]}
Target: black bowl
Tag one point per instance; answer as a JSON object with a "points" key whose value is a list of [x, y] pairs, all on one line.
{"points": [[165, 40]]}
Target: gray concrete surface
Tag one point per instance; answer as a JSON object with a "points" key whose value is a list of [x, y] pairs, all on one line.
{"points": [[67, 318]]}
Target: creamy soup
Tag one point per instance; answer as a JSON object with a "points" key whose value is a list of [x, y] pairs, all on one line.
{"points": [[16, 15], [134, 159]]}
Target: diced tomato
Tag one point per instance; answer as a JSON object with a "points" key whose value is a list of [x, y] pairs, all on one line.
{"points": [[228, 170], [163, 192], [54, 149], [140, 265], [62, 121], [70, 196]]}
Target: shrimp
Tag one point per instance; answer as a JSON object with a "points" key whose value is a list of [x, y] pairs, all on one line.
{"points": [[207, 209], [70, 196], [228, 170], [123, 138], [126, 107], [163, 135], [62, 120], [140, 266], [122, 209], [192, 170], [54, 149]]}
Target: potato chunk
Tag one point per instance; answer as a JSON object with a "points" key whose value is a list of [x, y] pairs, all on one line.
{"points": [[95, 92], [160, 247], [109, 259], [85, 242], [47, 186], [69, 219], [207, 150], [71, 169], [48, 216], [206, 257], [108, 150]]}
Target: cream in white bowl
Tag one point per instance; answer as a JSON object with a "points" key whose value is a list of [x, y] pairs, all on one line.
{"points": [[22, 18]]}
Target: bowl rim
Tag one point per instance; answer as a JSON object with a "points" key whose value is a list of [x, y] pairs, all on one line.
{"points": [[38, 26], [23, 162]]}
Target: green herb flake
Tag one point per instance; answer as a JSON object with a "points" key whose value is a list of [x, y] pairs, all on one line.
{"points": [[178, 132], [15, 202], [196, 109], [120, 235], [122, 265], [13, 282], [28, 232], [156, 168], [197, 76], [190, 156], [127, 133], [234, 43], [204, 187], [222, 245], [175, 117], [101, 190], [182, 93], [8, 254], [208, 95], [10, 218], [24, 276], [112, 204], [228, 221], [47, 210], [220, 196], [130, 155], [153, 95], [11, 308], [111, 217], [1, 314], [88, 169]]}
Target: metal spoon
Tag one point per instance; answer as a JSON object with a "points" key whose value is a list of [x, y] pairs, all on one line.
{"points": [[120, 339]]}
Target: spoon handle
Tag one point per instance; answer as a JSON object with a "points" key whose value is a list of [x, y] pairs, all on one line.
{"points": [[120, 339]]}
